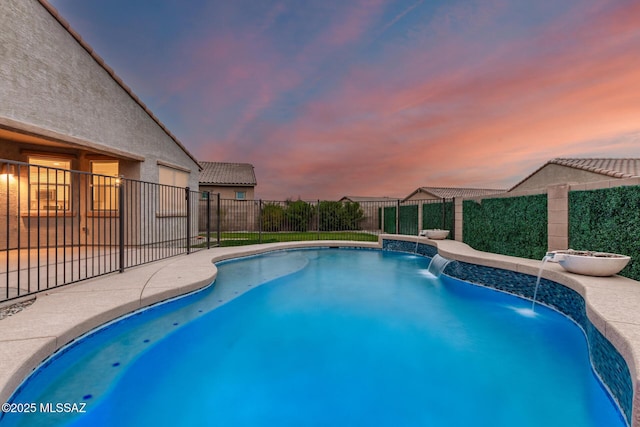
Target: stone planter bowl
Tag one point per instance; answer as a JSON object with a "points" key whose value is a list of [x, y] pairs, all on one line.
{"points": [[590, 263], [435, 234]]}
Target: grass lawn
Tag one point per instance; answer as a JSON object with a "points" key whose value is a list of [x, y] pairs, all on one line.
{"points": [[245, 238]]}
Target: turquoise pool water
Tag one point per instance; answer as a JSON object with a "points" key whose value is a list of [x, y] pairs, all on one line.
{"points": [[331, 337]]}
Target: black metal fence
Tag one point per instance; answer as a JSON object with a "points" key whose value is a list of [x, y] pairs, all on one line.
{"points": [[238, 222], [59, 226]]}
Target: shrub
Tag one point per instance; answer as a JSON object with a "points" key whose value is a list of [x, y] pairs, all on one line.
{"points": [[338, 216], [298, 215], [273, 216]]}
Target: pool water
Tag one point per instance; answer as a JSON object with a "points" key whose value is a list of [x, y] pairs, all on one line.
{"points": [[331, 337]]}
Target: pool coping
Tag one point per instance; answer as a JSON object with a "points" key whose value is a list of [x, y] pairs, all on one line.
{"points": [[58, 316]]}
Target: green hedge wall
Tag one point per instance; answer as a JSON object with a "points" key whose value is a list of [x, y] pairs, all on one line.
{"points": [[432, 216], [607, 220], [514, 226], [390, 220], [409, 220]]}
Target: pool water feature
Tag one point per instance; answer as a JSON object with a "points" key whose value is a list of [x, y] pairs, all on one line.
{"points": [[331, 337], [437, 265], [535, 292]]}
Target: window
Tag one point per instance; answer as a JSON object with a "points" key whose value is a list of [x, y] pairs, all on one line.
{"points": [[104, 185], [174, 177], [49, 184], [172, 198], [241, 195]]}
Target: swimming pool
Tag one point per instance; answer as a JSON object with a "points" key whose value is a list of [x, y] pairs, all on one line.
{"points": [[340, 337]]}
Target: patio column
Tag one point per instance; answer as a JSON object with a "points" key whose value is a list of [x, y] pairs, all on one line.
{"points": [[457, 218], [558, 217]]}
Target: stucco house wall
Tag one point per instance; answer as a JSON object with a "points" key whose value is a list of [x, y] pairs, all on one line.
{"points": [[49, 82], [552, 174], [421, 195], [58, 97], [229, 192]]}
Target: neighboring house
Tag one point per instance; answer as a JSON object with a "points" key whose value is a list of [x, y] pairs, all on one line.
{"points": [[63, 109], [437, 193], [571, 171], [231, 180]]}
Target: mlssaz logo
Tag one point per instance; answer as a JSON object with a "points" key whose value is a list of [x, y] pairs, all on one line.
{"points": [[63, 407]]}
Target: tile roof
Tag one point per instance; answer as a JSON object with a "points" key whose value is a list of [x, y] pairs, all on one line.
{"points": [[450, 192], [608, 167], [616, 168], [369, 199], [54, 12], [219, 173]]}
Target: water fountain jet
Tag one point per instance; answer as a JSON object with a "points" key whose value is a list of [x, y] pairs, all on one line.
{"points": [[535, 292], [437, 265]]}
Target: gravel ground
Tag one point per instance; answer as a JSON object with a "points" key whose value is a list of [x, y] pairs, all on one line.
{"points": [[10, 310]]}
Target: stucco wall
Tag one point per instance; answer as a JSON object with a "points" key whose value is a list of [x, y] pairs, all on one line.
{"points": [[556, 174], [228, 192], [422, 196], [49, 81]]}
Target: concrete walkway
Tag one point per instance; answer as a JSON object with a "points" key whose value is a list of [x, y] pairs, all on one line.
{"points": [[30, 270], [60, 315]]}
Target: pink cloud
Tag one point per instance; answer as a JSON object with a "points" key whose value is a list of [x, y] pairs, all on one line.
{"points": [[487, 125], [240, 75], [353, 24]]}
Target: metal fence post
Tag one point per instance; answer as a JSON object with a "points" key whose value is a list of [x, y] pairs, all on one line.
{"points": [[208, 219], [218, 218], [398, 217], [188, 198], [444, 226], [260, 221], [452, 234], [318, 215], [121, 223]]}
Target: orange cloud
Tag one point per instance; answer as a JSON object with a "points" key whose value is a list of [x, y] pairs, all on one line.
{"points": [[486, 122]]}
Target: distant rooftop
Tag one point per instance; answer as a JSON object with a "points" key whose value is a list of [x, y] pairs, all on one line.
{"points": [[617, 168], [219, 173], [614, 168], [450, 192], [369, 199]]}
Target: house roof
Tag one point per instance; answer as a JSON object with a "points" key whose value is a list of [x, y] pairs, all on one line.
{"points": [[219, 173], [54, 12], [369, 199], [607, 167], [451, 192]]}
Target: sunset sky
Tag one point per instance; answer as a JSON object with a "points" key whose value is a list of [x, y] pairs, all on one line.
{"points": [[328, 98]]}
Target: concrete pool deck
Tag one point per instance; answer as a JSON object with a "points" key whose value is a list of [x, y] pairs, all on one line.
{"points": [[58, 316]]}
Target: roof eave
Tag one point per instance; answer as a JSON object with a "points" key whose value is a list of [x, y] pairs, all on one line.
{"points": [[63, 22]]}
